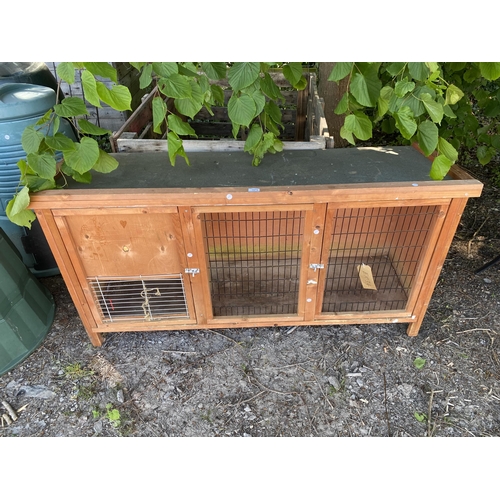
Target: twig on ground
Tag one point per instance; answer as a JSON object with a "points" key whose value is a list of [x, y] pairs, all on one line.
{"points": [[180, 352], [253, 379], [478, 330], [249, 399], [474, 236], [386, 411], [320, 388], [10, 410], [225, 336]]}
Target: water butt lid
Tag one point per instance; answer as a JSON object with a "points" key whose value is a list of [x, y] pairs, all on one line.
{"points": [[22, 100]]}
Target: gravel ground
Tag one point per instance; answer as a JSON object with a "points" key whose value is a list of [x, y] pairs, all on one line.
{"points": [[360, 380]]}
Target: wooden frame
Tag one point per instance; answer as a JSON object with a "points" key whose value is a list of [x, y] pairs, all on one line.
{"points": [[259, 254]]}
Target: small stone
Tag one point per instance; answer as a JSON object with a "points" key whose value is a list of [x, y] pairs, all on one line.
{"points": [[119, 396], [35, 391], [98, 427], [487, 280], [334, 382]]}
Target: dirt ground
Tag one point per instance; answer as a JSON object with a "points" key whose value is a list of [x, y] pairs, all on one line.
{"points": [[360, 380]]}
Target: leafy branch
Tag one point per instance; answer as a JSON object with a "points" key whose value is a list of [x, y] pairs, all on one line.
{"points": [[428, 103]]}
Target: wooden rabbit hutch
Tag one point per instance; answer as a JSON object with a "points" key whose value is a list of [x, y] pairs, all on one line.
{"points": [[334, 236]]}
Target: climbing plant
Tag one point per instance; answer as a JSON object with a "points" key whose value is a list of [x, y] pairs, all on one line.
{"points": [[432, 104]]}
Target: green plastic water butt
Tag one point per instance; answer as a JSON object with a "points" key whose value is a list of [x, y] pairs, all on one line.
{"points": [[26, 308]]}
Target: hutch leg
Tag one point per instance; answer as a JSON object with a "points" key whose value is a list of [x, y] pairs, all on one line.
{"points": [[413, 328]]}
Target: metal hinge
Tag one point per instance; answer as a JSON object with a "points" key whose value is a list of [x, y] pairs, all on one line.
{"points": [[317, 266], [192, 271]]}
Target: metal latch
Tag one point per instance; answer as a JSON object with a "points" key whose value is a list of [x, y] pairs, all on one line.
{"points": [[192, 271], [317, 266]]}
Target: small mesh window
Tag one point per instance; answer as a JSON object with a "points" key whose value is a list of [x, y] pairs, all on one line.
{"points": [[140, 298]]}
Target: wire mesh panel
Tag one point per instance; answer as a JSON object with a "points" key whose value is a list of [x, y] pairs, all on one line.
{"points": [[140, 299], [254, 261], [374, 257]]}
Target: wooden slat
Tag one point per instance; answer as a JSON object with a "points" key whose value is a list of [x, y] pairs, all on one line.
{"points": [[198, 145], [65, 264], [440, 251], [196, 258]]}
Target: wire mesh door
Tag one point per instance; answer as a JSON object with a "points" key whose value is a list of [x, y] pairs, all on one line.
{"points": [[374, 256], [253, 261]]}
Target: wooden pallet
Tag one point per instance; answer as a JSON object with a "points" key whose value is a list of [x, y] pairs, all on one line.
{"points": [[302, 113]]}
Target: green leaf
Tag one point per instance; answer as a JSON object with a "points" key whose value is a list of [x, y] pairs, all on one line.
{"points": [[440, 167], [254, 136], [89, 128], [242, 74], [165, 69], [179, 127], [273, 111], [434, 109], [445, 148], [241, 110], [269, 124], [176, 86], [365, 87], [448, 111], [35, 183], [264, 145], [490, 70], [191, 105], [66, 71], [217, 94], [90, 88], [43, 164], [485, 154], [419, 363], [85, 178], [175, 148], [453, 94], [421, 417], [159, 113], [84, 156], [403, 87], [146, 76], [384, 99], [301, 84], [60, 142], [137, 65], [45, 118], [492, 109], [418, 70], [17, 210], [347, 135], [20, 201], [105, 163], [396, 68], [71, 106], [118, 96], [57, 122], [260, 101], [495, 141], [340, 70], [343, 105], [278, 145], [31, 139], [405, 122], [269, 87], [359, 125], [427, 137], [214, 71], [103, 69], [293, 72]]}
